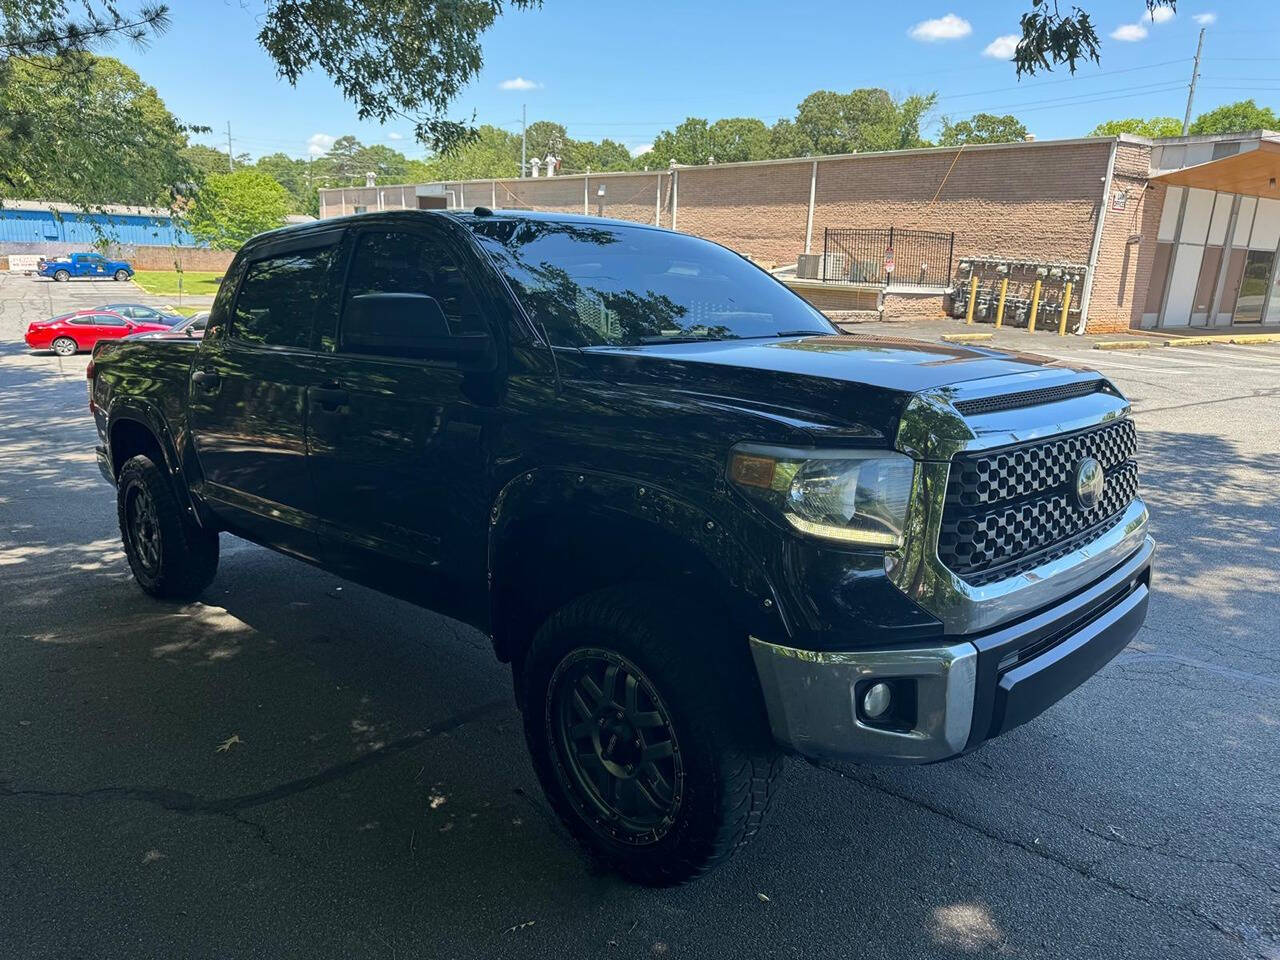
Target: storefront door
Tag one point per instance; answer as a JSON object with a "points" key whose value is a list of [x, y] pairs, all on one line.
{"points": [[1253, 286]]}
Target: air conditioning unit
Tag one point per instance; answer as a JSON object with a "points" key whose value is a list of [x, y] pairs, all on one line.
{"points": [[816, 266]]}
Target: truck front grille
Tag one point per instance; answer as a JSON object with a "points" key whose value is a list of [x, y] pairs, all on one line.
{"points": [[1011, 509]]}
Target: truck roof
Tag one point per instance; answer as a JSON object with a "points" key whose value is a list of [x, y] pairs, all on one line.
{"points": [[465, 217]]}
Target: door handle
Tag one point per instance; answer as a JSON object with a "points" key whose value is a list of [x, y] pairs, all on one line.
{"points": [[206, 379], [330, 398]]}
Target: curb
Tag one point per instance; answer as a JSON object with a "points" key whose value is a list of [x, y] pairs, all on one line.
{"points": [[1124, 345], [1256, 338], [1193, 341], [967, 337]]}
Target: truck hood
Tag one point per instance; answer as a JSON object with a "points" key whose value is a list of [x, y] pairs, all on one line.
{"points": [[907, 366]]}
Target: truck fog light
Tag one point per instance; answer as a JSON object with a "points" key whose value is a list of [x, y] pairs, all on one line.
{"points": [[877, 700]]}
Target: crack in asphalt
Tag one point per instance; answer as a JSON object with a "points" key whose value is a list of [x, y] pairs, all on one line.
{"points": [[179, 801], [1080, 870]]}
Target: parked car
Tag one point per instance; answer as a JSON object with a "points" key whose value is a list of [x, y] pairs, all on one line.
{"points": [[84, 265], [701, 525], [191, 327], [142, 312], [70, 333]]}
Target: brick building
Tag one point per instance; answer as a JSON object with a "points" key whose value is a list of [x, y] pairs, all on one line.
{"points": [[1150, 233]]}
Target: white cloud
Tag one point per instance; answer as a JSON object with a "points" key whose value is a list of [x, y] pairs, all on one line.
{"points": [[1129, 33], [1161, 14], [1002, 48], [641, 149], [519, 83], [949, 27], [395, 136], [1206, 19], [318, 144]]}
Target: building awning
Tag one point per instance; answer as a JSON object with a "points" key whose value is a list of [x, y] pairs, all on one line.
{"points": [[1251, 173]]}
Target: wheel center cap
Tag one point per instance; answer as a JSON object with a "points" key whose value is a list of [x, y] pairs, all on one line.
{"points": [[619, 743]]}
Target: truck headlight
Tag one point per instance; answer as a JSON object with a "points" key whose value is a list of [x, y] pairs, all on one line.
{"points": [[858, 497]]}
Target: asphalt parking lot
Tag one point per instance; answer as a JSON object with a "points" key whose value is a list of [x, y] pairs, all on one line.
{"points": [[296, 766]]}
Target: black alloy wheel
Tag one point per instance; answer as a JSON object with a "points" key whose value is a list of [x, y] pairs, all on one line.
{"points": [[143, 528], [615, 748]]}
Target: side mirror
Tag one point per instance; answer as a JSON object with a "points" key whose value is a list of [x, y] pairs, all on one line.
{"points": [[410, 325], [190, 331]]}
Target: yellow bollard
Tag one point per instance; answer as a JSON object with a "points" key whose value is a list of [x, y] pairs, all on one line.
{"points": [[973, 299], [1004, 288], [1035, 306], [1066, 305]]}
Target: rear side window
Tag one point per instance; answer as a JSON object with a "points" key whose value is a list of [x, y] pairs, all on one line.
{"points": [[279, 297], [412, 263]]}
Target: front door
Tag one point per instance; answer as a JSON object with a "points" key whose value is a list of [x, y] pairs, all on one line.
{"points": [[1253, 286], [248, 396], [396, 440]]}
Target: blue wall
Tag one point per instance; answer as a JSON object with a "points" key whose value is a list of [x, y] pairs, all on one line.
{"points": [[42, 226]]}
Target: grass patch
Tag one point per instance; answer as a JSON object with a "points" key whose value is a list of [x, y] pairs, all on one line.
{"points": [[164, 283]]}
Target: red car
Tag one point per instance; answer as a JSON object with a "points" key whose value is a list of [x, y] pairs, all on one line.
{"points": [[73, 332]]}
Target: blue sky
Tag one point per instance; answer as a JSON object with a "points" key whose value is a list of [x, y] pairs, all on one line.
{"points": [[627, 71]]}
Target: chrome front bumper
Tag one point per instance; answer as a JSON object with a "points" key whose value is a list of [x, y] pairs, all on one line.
{"points": [[964, 694]]}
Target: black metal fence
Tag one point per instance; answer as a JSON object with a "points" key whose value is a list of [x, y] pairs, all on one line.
{"points": [[909, 258]]}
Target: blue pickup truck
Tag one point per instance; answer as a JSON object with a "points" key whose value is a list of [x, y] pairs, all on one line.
{"points": [[84, 265]]}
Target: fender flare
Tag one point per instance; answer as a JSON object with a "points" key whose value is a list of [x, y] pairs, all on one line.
{"points": [[542, 491], [146, 413]]}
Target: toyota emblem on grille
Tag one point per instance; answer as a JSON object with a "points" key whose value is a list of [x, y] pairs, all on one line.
{"points": [[1089, 483]]}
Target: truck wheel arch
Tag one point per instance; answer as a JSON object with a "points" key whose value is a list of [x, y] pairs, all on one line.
{"points": [[139, 429], [555, 535]]}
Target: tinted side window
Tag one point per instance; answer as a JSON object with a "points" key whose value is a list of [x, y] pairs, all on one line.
{"points": [[279, 298], [106, 320], [410, 263]]}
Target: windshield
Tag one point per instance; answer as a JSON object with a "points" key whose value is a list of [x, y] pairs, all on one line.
{"points": [[629, 286]]}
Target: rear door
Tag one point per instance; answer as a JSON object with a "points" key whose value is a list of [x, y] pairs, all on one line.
{"points": [[248, 392], [396, 440]]}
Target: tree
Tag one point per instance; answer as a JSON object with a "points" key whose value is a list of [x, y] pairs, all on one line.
{"points": [[386, 165], [690, 143], [341, 162], [1051, 38], [488, 152], [786, 140], [861, 120], [295, 177], [232, 207], [1153, 127], [982, 128], [739, 138], [1236, 117], [86, 131], [210, 159]]}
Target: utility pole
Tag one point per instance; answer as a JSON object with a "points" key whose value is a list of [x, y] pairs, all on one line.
{"points": [[231, 157], [524, 129], [1191, 92]]}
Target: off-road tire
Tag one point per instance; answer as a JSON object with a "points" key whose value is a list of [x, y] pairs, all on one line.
{"points": [[709, 688], [121, 275], [186, 555], [61, 276], [64, 347]]}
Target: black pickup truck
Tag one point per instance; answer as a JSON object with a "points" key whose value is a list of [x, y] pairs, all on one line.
{"points": [[704, 527]]}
